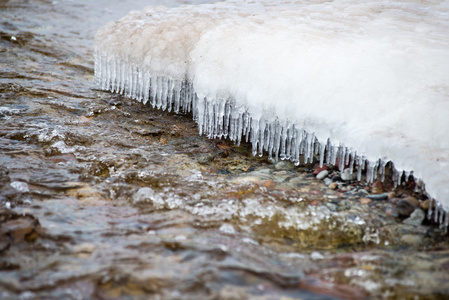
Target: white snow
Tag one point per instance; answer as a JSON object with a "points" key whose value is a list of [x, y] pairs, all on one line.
{"points": [[367, 81]]}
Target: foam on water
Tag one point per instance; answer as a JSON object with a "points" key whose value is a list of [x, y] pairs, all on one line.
{"points": [[358, 83]]}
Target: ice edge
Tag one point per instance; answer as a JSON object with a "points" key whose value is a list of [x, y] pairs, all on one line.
{"points": [[222, 118]]}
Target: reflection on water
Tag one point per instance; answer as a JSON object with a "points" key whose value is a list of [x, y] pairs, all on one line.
{"points": [[101, 197]]}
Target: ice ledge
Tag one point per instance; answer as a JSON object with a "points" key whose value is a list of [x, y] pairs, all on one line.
{"points": [[222, 118]]}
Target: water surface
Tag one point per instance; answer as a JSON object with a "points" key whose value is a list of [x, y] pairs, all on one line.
{"points": [[104, 198]]}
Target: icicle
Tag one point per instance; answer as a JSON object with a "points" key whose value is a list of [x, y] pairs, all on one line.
{"points": [[139, 85], [352, 162], [123, 77], [322, 150], [429, 211], [361, 163], [164, 93], [446, 221]]}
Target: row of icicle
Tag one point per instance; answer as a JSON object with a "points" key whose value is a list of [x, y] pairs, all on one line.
{"points": [[221, 118]]}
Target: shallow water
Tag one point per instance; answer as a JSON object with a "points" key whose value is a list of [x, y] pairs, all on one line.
{"points": [[104, 198]]}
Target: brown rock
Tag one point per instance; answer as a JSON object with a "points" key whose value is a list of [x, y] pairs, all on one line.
{"points": [[365, 200], [333, 185], [378, 187], [391, 195], [425, 204], [413, 201], [319, 169], [16, 228], [407, 206]]}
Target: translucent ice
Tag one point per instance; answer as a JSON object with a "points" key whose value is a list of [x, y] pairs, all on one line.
{"points": [[360, 83]]}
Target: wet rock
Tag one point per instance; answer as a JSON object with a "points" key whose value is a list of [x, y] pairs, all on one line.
{"points": [[412, 239], [413, 201], [407, 206], [333, 185], [322, 174], [416, 218], [365, 200], [425, 204], [347, 176], [332, 206], [391, 212], [382, 196], [328, 181], [377, 187], [320, 169], [391, 195], [284, 165], [336, 178]]}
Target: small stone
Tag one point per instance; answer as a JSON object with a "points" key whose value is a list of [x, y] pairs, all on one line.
{"points": [[320, 169], [378, 187], [332, 206], [415, 218], [378, 196], [391, 212], [336, 178], [365, 200], [333, 185], [405, 208], [347, 176], [425, 204], [328, 181], [322, 174], [411, 239], [413, 201], [391, 195], [394, 200], [284, 165]]}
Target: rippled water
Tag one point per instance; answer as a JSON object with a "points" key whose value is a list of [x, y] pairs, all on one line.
{"points": [[104, 198]]}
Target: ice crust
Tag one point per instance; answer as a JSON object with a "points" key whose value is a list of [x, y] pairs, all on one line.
{"points": [[360, 83]]}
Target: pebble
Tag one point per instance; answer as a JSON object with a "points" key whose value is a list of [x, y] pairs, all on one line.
{"points": [[332, 206], [320, 169], [284, 165], [405, 208], [347, 176], [333, 185], [322, 174], [365, 200], [382, 196], [328, 181], [411, 239], [391, 195], [425, 204], [413, 201], [416, 218]]}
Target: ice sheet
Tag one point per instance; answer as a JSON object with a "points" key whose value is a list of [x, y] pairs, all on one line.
{"points": [[366, 80]]}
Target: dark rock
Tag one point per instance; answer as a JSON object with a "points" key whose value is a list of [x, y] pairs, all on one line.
{"points": [[405, 208], [382, 196]]}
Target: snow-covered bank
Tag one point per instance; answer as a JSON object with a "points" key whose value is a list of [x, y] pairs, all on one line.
{"points": [[368, 82]]}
